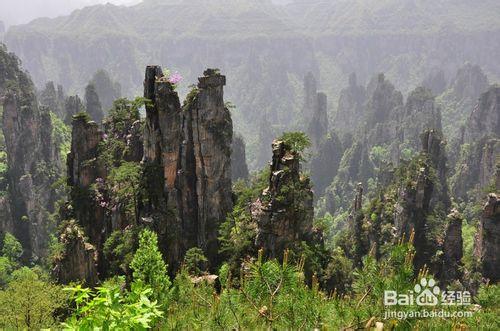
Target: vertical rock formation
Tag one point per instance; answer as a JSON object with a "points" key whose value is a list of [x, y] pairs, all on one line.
{"points": [[487, 246], [452, 248], [92, 104], [32, 156], [310, 97], [350, 110], [78, 261], [325, 164], [460, 98], [85, 173], [469, 82], [239, 168], [284, 212], [187, 158], [265, 139], [314, 111], [423, 199], [420, 114], [435, 81], [107, 90], [72, 106], [480, 143], [318, 127], [53, 99]]}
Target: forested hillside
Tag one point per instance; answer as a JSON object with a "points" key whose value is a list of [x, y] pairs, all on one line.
{"points": [[265, 49]]}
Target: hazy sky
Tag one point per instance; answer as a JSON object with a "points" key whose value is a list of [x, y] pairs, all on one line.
{"points": [[22, 11]]}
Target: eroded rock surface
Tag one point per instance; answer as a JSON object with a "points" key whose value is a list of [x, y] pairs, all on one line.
{"points": [[284, 212]]}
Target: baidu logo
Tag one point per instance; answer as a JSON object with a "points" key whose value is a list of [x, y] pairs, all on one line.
{"points": [[427, 293]]}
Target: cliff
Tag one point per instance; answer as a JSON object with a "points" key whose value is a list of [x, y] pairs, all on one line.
{"points": [[32, 158], [284, 211], [187, 162]]}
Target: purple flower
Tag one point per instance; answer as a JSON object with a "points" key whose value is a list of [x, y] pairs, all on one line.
{"points": [[105, 136], [174, 78]]}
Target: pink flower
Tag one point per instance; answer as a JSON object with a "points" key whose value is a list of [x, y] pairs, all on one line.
{"points": [[175, 78]]}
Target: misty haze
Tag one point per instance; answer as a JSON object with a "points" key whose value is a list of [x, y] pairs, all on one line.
{"points": [[249, 164]]}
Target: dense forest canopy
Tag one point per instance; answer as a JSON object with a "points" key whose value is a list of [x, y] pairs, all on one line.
{"points": [[252, 164]]}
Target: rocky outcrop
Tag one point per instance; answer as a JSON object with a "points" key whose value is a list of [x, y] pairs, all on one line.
{"points": [[85, 178], [107, 90], [239, 168], [53, 99], [390, 132], [325, 164], [422, 200], [469, 82], [480, 146], [32, 157], [487, 246], [284, 212], [350, 109], [92, 104], [187, 161], [78, 261], [314, 112], [435, 81], [310, 97], [452, 248], [420, 114], [72, 106], [460, 98]]}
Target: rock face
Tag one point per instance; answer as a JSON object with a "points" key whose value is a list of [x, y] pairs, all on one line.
{"points": [[423, 198], [78, 262], [314, 112], [480, 143], [390, 131], [239, 168], [32, 156], [53, 99], [92, 104], [325, 164], [284, 212], [487, 249], [310, 97], [469, 82], [420, 114], [72, 106], [435, 81], [84, 171], [460, 98], [187, 158], [350, 110], [452, 248], [107, 90], [318, 127]]}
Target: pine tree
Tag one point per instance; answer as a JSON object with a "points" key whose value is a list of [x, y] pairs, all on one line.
{"points": [[148, 266]]}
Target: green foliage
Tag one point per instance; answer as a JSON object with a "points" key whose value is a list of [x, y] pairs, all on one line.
{"points": [[119, 250], [29, 301], [110, 308], [61, 135], [195, 261], [148, 266], [6, 268], [11, 248], [296, 141], [237, 232], [124, 183]]}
